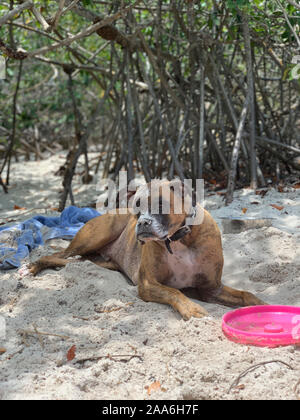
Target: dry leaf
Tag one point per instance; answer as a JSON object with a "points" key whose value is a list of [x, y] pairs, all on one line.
{"points": [[297, 185], [155, 386], [71, 353], [19, 208], [2, 350], [261, 192], [244, 210], [277, 207]]}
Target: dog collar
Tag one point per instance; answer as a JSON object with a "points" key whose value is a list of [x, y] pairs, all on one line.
{"points": [[181, 232]]}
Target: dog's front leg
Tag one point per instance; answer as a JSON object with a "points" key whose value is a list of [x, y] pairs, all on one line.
{"points": [[150, 290], [228, 296]]}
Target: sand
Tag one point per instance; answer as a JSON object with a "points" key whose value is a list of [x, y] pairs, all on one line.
{"points": [[129, 349]]}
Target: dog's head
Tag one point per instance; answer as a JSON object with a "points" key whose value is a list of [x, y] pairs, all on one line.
{"points": [[161, 208]]}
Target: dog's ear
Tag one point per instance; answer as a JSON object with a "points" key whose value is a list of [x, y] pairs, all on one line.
{"points": [[184, 190], [138, 202], [177, 186], [123, 197]]}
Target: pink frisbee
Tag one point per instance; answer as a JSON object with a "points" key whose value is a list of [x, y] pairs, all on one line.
{"points": [[263, 325]]}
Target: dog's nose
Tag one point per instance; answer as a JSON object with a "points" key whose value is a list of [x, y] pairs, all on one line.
{"points": [[144, 222]]}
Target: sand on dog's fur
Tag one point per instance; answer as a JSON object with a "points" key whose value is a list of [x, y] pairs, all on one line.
{"points": [[123, 345]]}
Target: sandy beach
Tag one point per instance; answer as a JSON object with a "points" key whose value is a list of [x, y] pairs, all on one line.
{"points": [[129, 349]]}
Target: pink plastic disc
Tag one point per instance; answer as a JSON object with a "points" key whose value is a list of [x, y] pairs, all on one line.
{"points": [[265, 326]]}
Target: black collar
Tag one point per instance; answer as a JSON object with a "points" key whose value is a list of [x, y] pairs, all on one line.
{"points": [[180, 233]]}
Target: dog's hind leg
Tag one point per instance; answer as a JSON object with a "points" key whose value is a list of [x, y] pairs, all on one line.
{"points": [[97, 233], [93, 236], [110, 265], [98, 260], [54, 260]]}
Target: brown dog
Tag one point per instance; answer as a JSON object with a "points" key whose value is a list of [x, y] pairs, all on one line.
{"points": [[161, 253]]}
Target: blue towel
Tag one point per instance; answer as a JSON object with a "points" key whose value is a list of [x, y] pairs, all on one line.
{"points": [[16, 242]]}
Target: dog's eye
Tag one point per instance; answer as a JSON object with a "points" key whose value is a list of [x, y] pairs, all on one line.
{"points": [[160, 205]]}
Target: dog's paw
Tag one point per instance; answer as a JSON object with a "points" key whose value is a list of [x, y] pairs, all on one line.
{"points": [[24, 270], [34, 269], [251, 300], [193, 310]]}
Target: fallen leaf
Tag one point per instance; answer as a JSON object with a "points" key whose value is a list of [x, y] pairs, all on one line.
{"points": [[261, 192], [2, 350], [71, 353], [244, 210], [280, 188], [277, 207], [296, 186], [155, 386], [19, 208]]}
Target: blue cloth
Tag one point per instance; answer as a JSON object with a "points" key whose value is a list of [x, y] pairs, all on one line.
{"points": [[16, 242]]}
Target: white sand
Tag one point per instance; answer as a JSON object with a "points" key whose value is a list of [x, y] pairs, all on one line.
{"points": [[191, 360]]}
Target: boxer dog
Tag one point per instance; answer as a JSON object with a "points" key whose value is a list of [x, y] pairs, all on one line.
{"points": [[161, 252]]}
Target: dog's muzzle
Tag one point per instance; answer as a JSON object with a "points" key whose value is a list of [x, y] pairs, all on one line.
{"points": [[144, 228]]}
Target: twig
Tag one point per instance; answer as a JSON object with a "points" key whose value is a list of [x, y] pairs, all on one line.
{"points": [[129, 124], [39, 335], [143, 155], [3, 186], [177, 164], [277, 143], [201, 124], [114, 357], [81, 147], [36, 332], [71, 5], [251, 97], [27, 5], [251, 368], [235, 153], [101, 311], [288, 22], [40, 18], [84, 33], [10, 146], [58, 13], [296, 390]]}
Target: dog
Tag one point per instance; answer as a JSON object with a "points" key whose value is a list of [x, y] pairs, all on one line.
{"points": [[161, 252]]}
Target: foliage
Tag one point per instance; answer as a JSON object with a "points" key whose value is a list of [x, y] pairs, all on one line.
{"points": [[180, 38]]}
